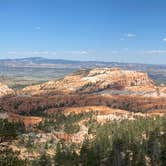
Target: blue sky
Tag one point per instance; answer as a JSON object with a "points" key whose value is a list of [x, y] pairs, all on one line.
{"points": [[103, 30]]}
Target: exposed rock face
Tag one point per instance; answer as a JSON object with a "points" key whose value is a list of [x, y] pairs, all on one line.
{"points": [[5, 90], [89, 81], [95, 109], [116, 88], [26, 120]]}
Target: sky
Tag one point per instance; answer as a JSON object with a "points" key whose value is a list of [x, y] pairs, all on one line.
{"points": [[100, 30]]}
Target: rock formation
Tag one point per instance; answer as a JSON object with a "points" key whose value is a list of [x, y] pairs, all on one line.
{"points": [[90, 81], [5, 90], [113, 87]]}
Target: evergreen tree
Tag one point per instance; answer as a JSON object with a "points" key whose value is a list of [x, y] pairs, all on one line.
{"points": [[44, 160]]}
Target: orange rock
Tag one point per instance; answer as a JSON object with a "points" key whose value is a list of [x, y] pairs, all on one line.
{"points": [[26, 120], [91, 81]]}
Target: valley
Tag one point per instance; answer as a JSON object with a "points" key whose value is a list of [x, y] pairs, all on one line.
{"points": [[81, 115]]}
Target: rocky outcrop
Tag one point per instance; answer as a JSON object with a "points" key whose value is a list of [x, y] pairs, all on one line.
{"points": [[92, 109], [90, 81], [26, 120], [116, 88], [5, 90]]}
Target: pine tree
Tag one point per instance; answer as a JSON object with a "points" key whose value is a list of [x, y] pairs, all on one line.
{"points": [[44, 160]]}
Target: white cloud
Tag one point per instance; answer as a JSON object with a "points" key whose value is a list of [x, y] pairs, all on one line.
{"points": [[130, 35], [84, 52], [114, 52], [127, 35], [156, 52], [164, 39], [76, 52], [41, 52], [45, 52], [37, 27]]}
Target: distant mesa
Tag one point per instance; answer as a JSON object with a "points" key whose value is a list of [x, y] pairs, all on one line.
{"points": [[98, 80], [85, 91], [103, 81]]}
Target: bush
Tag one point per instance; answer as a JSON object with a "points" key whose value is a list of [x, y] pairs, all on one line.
{"points": [[10, 158]]}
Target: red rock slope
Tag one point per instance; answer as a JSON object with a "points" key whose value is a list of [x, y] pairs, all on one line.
{"points": [[89, 81]]}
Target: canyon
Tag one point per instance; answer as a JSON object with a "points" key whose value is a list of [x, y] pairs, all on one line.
{"points": [[70, 110], [94, 88]]}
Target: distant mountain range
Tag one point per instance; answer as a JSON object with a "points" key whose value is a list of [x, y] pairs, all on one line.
{"points": [[62, 63], [26, 71]]}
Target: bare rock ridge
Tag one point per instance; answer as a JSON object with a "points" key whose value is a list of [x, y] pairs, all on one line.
{"points": [[5, 90], [94, 80], [112, 87]]}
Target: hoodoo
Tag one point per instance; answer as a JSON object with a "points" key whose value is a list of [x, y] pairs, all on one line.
{"points": [[90, 81]]}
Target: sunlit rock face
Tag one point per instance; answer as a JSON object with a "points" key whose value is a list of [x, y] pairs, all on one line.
{"points": [[113, 87], [5, 90], [90, 81]]}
